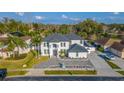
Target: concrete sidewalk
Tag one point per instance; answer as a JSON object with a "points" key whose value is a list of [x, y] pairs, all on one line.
{"points": [[35, 72]]}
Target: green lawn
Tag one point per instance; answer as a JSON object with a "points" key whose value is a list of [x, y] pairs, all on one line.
{"points": [[15, 73], [114, 66], [69, 72], [121, 72], [29, 61]]}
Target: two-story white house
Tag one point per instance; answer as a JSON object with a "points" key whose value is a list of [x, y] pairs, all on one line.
{"points": [[71, 44]]}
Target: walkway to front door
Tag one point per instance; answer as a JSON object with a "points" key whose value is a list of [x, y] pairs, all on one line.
{"points": [[55, 53]]}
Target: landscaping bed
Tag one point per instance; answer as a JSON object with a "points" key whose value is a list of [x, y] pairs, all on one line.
{"points": [[121, 72], [113, 66], [70, 72]]}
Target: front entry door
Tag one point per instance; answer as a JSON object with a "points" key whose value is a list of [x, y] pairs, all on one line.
{"points": [[55, 53]]}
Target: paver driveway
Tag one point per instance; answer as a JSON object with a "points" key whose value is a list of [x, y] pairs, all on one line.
{"points": [[67, 62], [103, 69]]}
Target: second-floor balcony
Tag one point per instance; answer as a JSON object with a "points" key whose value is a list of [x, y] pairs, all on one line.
{"points": [[54, 46]]}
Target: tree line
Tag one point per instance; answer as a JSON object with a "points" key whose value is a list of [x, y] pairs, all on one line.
{"points": [[87, 29]]}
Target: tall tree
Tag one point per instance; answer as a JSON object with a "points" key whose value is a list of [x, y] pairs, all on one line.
{"points": [[36, 41], [15, 42]]}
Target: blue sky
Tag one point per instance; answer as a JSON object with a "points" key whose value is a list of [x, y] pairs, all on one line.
{"points": [[65, 17]]}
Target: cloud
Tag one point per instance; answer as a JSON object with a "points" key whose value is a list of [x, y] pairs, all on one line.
{"points": [[64, 16], [75, 19], [20, 13], [39, 17], [116, 13], [94, 18], [70, 18]]}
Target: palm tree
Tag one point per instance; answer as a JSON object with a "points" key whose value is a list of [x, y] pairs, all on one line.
{"points": [[15, 42], [11, 44], [36, 42], [19, 44]]}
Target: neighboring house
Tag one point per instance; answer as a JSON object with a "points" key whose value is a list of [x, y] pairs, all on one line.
{"points": [[116, 46], [54, 44], [106, 42], [118, 49], [26, 49], [4, 52], [3, 48]]}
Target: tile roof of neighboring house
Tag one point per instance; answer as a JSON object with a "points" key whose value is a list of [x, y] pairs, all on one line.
{"points": [[118, 46], [56, 38], [107, 41], [102, 41], [73, 36], [59, 37], [25, 37], [77, 48], [17, 33]]}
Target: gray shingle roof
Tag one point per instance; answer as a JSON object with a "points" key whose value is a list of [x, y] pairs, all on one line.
{"points": [[59, 37], [77, 48], [73, 36], [56, 38]]}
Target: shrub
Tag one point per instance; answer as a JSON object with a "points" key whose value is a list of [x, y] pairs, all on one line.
{"points": [[99, 48]]}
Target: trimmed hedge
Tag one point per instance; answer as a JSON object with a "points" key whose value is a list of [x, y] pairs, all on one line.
{"points": [[70, 72], [113, 66], [15, 73]]}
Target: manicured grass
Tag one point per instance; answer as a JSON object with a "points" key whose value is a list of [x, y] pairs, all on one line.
{"points": [[15, 64], [29, 61], [70, 72], [114, 66], [15, 73], [121, 72]]}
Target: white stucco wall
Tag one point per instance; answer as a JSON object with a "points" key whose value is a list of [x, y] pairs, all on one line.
{"points": [[59, 47], [51, 48], [80, 42], [22, 50], [5, 54], [43, 48], [80, 55]]}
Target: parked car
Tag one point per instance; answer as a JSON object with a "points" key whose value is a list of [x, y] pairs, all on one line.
{"points": [[3, 73], [110, 56]]}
